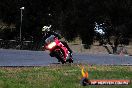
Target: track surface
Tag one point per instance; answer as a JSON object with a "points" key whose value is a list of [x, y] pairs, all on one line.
{"points": [[41, 58]]}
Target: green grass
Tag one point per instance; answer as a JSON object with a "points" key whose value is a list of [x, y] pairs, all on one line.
{"points": [[60, 76]]}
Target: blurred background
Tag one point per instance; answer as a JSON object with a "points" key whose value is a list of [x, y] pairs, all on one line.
{"points": [[84, 24]]}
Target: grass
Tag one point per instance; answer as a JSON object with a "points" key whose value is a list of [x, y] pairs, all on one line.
{"points": [[60, 76]]}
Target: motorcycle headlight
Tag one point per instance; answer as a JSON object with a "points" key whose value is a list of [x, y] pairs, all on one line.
{"points": [[51, 45]]}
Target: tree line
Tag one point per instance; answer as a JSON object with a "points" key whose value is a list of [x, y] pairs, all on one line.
{"points": [[74, 18]]}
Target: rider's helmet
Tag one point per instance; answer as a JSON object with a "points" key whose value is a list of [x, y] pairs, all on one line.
{"points": [[46, 28]]}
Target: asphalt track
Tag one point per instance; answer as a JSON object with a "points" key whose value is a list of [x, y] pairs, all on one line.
{"points": [[40, 58]]}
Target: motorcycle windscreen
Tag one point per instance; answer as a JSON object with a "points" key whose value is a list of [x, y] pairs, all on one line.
{"points": [[50, 42], [50, 39]]}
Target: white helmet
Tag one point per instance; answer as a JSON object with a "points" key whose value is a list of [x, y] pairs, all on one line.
{"points": [[46, 28]]}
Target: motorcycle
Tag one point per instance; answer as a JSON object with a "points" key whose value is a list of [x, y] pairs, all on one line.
{"points": [[58, 50]]}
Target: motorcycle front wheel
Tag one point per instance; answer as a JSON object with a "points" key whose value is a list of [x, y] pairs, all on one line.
{"points": [[60, 56]]}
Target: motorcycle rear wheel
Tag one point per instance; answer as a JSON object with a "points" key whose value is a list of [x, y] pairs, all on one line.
{"points": [[71, 61]]}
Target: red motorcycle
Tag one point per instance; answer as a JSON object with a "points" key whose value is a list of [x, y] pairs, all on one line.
{"points": [[58, 50]]}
